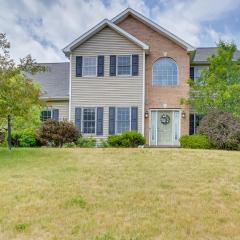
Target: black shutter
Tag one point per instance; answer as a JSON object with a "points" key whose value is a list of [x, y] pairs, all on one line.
{"points": [[111, 129], [191, 124], [134, 118], [55, 114], [100, 69], [79, 66], [192, 73], [135, 63], [78, 114], [100, 121], [113, 65]]}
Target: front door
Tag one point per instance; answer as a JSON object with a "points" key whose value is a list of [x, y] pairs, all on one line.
{"points": [[164, 127]]}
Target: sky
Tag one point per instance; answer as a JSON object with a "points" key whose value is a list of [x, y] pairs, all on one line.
{"points": [[43, 28]]}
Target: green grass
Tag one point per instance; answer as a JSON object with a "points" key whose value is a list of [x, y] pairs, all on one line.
{"points": [[119, 194]]}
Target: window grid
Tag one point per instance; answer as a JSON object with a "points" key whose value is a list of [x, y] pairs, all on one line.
{"points": [[123, 119], [45, 115], [124, 65], [89, 66], [89, 120], [165, 72]]}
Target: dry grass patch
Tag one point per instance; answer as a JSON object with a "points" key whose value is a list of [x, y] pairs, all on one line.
{"points": [[127, 194]]}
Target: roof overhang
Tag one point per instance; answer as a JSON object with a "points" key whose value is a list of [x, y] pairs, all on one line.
{"points": [[64, 98], [154, 26], [105, 23]]}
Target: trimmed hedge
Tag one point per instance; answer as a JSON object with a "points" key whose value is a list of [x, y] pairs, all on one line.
{"points": [[126, 139], [196, 141]]}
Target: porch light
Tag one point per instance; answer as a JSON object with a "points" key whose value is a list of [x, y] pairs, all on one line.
{"points": [[146, 114], [183, 114]]}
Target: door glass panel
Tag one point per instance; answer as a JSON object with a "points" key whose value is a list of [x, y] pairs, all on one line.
{"points": [[153, 135], [176, 127]]}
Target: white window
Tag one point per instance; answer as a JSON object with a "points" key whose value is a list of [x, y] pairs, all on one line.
{"points": [[124, 65], [46, 114], [89, 66], [165, 72], [122, 119], [89, 120]]}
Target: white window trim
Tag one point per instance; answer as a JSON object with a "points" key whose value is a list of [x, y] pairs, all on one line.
{"points": [[166, 85], [124, 75], [116, 121], [94, 75], [82, 125]]}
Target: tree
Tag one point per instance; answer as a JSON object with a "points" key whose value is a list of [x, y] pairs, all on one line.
{"points": [[218, 86], [18, 92], [222, 130]]}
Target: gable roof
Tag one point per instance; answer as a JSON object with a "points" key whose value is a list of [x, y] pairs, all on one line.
{"points": [[201, 55], [98, 28], [153, 25], [55, 81]]}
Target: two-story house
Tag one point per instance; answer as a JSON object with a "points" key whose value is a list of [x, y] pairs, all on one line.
{"points": [[127, 73]]}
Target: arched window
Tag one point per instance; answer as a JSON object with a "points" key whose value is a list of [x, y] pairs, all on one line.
{"points": [[165, 72]]}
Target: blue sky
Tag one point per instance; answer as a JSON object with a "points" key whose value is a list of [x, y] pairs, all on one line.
{"points": [[43, 27]]}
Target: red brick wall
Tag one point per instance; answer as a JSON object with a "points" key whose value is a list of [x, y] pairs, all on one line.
{"points": [[160, 46]]}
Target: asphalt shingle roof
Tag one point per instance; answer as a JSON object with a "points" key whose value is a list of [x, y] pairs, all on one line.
{"points": [[55, 81], [202, 54]]}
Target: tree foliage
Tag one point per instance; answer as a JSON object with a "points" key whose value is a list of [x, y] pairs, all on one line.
{"points": [[218, 86], [18, 92]]}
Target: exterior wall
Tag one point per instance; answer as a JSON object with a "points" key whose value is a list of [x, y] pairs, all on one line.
{"points": [[160, 46], [108, 90], [63, 107]]}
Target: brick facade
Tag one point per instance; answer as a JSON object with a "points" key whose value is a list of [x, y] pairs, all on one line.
{"points": [[160, 46]]}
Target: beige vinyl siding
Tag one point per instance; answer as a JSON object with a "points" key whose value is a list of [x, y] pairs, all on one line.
{"points": [[108, 90], [63, 107]]}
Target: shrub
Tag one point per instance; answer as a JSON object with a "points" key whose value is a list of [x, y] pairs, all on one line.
{"points": [[86, 142], [103, 143], [126, 139], [56, 133], [2, 136], [222, 130], [115, 141], [24, 138], [195, 141], [69, 145]]}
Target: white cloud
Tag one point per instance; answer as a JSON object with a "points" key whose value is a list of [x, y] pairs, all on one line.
{"points": [[43, 28]]}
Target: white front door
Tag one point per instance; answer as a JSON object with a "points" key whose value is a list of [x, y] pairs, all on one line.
{"points": [[164, 127]]}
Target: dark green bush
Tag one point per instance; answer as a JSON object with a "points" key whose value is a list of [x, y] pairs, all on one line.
{"points": [[115, 140], [195, 141], [126, 139], [86, 142], [222, 129], [24, 138]]}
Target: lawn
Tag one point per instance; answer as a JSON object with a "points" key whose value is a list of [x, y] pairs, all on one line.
{"points": [[122, 194]]}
